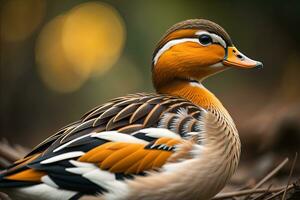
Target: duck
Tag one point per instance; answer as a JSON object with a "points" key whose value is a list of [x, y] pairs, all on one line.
{"points": [[177, 143]]}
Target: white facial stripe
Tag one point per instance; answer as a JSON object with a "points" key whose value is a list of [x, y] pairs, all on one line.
{"points": [[214, 37], [168, 45], [171, 43]]}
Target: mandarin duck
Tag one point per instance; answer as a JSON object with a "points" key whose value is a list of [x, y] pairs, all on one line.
{"points": [[178, 143]]}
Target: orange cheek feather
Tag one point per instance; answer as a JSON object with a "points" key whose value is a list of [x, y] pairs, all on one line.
{"points": [[188, 59], [190, 53]]}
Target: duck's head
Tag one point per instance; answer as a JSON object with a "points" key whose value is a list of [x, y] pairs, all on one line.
{"points": [[193, 50]]}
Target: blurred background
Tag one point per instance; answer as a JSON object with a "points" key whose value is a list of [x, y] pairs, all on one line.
{"points": [[61, 58]]}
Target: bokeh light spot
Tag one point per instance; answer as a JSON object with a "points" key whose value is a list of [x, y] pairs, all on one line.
{"points": [[84, 42], [93, 37], [54, 67], [19, 18]]}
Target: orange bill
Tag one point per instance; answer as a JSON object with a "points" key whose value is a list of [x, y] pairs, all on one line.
{"points": [[234, 58]]}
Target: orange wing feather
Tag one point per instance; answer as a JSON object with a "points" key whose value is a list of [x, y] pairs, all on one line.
{"points": [[120, 157], [27, 175]]}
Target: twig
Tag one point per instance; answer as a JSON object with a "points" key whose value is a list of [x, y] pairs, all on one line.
{"points": [[4, 196], [249, 191], [268, 176], [290, 176], [11, 152], [279, 192], [261, 196], [271, 174]]}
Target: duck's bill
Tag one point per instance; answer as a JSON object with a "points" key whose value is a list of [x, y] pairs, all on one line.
{"points": [[234, 58]]}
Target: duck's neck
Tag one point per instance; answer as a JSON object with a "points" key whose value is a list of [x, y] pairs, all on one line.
{"points": [[194, 92], [221, 143]]}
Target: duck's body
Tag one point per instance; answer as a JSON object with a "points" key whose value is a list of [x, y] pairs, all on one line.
{"points": [[178, 144]]}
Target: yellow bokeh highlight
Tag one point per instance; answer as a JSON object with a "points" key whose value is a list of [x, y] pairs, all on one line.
{"points": [[84, 42], [55, 69], [20, 18], [93, 37]]}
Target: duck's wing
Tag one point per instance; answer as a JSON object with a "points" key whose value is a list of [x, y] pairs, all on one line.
{"points": [[125, 114], [124, 138]]}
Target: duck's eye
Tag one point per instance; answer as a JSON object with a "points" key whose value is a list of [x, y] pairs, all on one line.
{"points": [[205, 40]]}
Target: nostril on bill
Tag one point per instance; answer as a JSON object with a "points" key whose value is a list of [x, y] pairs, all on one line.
{"points": [[240, 57]]}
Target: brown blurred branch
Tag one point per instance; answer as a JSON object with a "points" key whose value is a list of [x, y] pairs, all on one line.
{"points": [[10, 153], [4, 196], [268, 193], [249, 191]]}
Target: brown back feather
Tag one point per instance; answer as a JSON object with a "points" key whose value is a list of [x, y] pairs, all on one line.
{"points": [[126, 114]]}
